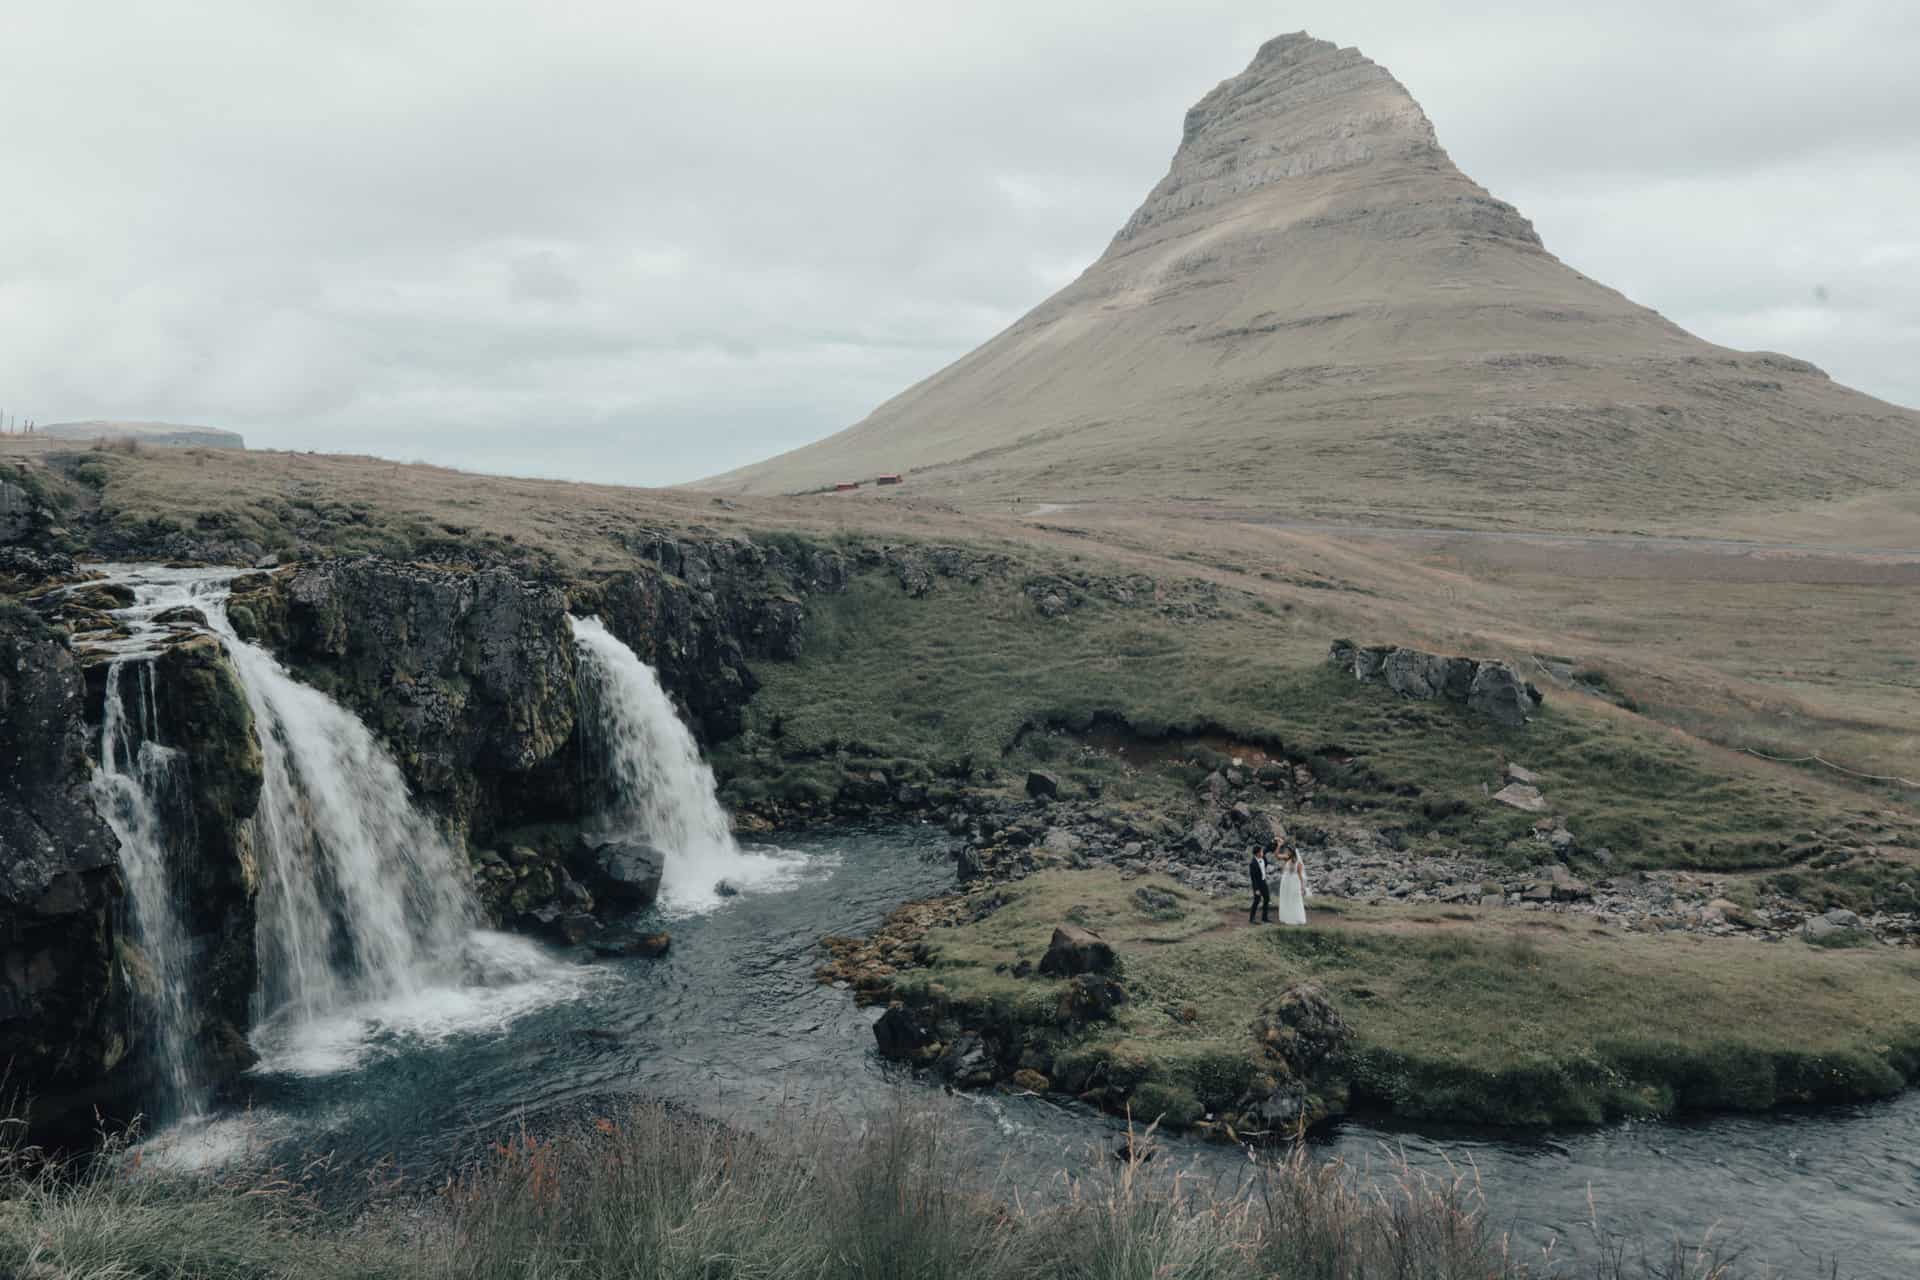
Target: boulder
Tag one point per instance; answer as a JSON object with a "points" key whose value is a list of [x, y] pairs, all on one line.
{"points": [[1042, 785], [1303, 1031], [1499, 693], [1521, 796], [903, 1035], [1818, 928], [1517, 774], [1074, 951], [622, 873], [726, 889]]}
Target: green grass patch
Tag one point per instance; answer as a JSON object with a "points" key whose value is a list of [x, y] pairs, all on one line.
{"points": [[1494, 1016], [975, 681]]}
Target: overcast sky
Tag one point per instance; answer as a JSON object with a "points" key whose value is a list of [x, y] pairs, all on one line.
{"points": [[645, 242]]}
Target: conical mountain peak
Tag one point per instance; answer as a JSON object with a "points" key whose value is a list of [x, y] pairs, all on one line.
{"points": [[1303, 108], [1315, 310]]}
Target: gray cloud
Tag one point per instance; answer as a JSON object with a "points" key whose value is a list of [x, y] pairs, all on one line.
{"points": [[646, 243]]}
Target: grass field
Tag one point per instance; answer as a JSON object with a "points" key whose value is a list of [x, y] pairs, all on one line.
{"points": [[645, 1195], [1464, 1015], [952, 679]]}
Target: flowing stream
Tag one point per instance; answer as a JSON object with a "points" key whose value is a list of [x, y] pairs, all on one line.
{"points": [[384, 1049]]}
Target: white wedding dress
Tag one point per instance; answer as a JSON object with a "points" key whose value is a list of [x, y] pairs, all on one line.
{"points": [[1293, 893]]}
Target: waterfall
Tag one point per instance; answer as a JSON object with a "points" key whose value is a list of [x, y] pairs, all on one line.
{"points": [[135, 779], [361, 897], [365, 923], [660, 790]]}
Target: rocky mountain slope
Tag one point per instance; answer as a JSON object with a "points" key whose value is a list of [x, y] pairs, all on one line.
{"points": [[1315, 309]]}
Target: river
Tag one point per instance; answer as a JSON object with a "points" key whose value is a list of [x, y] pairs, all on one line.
{"points": [[731, 1023]]}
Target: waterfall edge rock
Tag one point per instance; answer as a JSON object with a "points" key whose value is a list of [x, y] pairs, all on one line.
{"points": [[59, 885]]}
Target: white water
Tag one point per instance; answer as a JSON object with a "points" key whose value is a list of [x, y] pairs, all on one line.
{"points": [[134, 776], [366, 927], [361, 898], [662, 792]]}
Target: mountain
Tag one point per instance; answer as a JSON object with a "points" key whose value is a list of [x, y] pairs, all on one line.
{"points": [[1316, 310], [154, 433]]}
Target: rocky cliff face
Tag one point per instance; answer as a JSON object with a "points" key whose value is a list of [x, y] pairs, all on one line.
{"points": [[469, 675], [1303, 108], [59, 884]]}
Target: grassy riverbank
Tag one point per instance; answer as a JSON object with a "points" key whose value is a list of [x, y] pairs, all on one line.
{"points": [[643, 1195], [1458, 1014]]}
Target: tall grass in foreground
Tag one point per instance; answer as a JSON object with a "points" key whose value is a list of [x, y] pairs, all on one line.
{"points": [[653, 1196]]}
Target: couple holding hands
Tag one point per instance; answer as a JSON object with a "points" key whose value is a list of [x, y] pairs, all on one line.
{"points": [[1290, 870]]}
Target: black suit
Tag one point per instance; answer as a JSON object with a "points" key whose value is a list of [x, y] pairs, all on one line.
{"points": [[1262, 900]]}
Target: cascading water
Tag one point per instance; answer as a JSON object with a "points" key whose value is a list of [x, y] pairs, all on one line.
{"points": [[365, 922], [660, 790], [131, 785], [362, 898]]}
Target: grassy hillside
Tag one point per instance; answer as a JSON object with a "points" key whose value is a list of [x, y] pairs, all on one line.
{"points": [[970, 679]]}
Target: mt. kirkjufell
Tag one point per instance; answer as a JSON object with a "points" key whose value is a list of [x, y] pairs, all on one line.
{"points": [[1316, 310]]}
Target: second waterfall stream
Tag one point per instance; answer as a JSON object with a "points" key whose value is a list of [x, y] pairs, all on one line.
{"points": [[658, 789]]}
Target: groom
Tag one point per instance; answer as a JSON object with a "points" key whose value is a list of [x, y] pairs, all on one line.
{"points": [[1262, 900]]}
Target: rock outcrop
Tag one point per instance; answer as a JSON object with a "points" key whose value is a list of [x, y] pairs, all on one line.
{"points": [[59, 883], [1488, 687], [622, 872], [1074, 950]]}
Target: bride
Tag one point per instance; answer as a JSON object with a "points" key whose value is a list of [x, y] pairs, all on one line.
{"points": [[1293, 892]]}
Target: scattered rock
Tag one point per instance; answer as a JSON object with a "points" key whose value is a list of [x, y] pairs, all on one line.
{"points": [[1564, 888], [1074, 950], [1499, 694], [1522, 796], [1489, 687], [966, 1062], [1061, 842]]}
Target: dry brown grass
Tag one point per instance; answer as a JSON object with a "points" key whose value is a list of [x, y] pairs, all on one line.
{"points": [[1788, 653]]}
